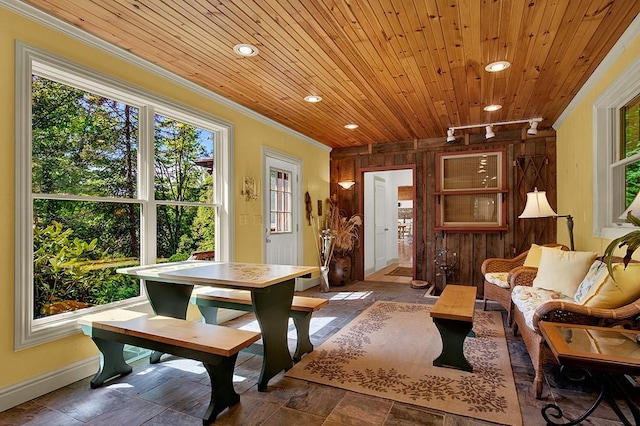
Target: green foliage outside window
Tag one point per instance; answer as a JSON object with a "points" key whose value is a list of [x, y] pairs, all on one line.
{"points": [[630, 114], [86, 207]]}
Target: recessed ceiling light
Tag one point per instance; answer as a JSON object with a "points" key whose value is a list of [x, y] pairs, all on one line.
{"points": [[497, 66], [492, 107], [351, 126], [313, 98], [245, 50]]}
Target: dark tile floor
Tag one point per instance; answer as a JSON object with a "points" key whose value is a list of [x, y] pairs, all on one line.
{"points": [[176, 391]]}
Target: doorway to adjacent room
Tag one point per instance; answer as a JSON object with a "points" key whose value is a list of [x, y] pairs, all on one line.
{"points": [[388, 226]]}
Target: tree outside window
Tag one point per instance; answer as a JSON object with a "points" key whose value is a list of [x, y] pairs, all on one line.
{"points": [[86, 200]]}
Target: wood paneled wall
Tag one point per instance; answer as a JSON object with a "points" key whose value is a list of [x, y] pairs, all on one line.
{"points": [[531, 162]]}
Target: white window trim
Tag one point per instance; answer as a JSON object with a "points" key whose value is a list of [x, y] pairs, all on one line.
{"points": [[29, 332], [608, 202]]}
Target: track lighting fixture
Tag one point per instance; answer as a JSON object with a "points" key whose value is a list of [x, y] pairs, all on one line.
{"points": [[533, 127], [450, 137], [488, 132]]}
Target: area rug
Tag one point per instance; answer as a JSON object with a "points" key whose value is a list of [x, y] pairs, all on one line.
{"points": [[402, 271], [388, 351]]}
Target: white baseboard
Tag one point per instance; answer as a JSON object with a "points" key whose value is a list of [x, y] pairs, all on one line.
{"points": [[37, 386], [303, 284]]}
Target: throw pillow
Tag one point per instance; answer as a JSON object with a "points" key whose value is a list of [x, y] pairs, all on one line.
{"points": [[611, 293], [596, 276], [563, 271], [533, 255]]}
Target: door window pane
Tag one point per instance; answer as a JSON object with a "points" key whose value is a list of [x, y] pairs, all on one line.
{"points": [[280, 196]]}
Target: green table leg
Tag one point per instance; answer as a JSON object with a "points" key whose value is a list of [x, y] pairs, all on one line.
{"points": [[272, 312], [169, 300], [453, 334]]}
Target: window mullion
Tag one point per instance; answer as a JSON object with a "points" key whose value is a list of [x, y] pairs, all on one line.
{"points": [[146, 194]]}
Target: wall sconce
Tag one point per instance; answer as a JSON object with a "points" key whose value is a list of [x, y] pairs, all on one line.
{"points": [[537, 206], [249, 191], [346, 184]]}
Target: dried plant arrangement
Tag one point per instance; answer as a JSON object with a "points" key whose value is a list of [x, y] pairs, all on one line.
{"points": [[344, 229]]}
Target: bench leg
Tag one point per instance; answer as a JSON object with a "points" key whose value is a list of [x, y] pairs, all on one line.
{"points": [[272, 311], [112, 361], [302, 322], [209, 313], [223, 395], [453, 334]]}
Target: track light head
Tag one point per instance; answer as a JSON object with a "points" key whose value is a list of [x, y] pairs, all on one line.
{"points": [[533, 129], [450, 137], [489, 132]]}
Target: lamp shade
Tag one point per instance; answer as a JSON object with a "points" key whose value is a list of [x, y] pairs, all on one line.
{"points": [[537, 206], [634, 208]]}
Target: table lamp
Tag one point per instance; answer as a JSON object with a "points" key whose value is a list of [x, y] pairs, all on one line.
{"points": [[537, 206]]}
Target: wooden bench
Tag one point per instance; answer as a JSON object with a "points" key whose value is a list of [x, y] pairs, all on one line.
{"points": [[209, 300], [215, 346], [453, 316]]}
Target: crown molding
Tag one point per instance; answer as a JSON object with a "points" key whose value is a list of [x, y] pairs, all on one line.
{"points": [[69, 30]]}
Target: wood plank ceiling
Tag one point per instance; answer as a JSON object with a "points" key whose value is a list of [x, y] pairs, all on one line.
{"points": [[400, 69]]}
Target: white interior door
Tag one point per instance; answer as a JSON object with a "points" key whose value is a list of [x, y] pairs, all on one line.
{"points": [[281, 215], [380, 223]]}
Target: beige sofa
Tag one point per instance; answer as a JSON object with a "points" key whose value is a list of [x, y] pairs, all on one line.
{"points": [[598, 300]]}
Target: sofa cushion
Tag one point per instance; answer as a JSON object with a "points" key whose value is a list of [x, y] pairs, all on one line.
{"points": [[527, 299], [533, 255], [611, 293], [497, 278], [595, 276], [562, 271]]}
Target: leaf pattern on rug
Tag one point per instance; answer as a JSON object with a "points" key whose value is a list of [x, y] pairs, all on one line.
{"points": [[478, 390]]}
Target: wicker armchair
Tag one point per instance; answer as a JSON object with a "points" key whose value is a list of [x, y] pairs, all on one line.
{"points": [[627, 316], [502, 295]]}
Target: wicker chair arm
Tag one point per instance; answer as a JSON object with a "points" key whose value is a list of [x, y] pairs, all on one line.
{"points": [[522, 275], [627, 316], [497, 264]]}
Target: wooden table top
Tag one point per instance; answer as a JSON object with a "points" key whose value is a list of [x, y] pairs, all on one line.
{"points": [[457, 302], [601, 348], [220, 274]]}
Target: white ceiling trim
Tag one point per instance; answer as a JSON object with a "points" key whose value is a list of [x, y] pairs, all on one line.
{"points": [[93, 41]]}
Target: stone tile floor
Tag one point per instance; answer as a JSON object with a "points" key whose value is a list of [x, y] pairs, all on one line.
{"points": [[176, 391]]}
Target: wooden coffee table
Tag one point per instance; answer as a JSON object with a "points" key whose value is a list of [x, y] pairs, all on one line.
{"points": [[453, 316], [605, 353]]}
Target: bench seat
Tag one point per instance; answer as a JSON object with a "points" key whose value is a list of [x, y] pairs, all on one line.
{"points": [[215, 346], [209, 300]]}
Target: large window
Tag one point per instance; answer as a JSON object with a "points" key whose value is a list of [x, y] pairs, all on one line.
{"points": [[107, 176], [616, 161]]}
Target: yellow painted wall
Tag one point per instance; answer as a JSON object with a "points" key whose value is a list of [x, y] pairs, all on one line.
{"points": [[250, 136], [575, 160]]}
